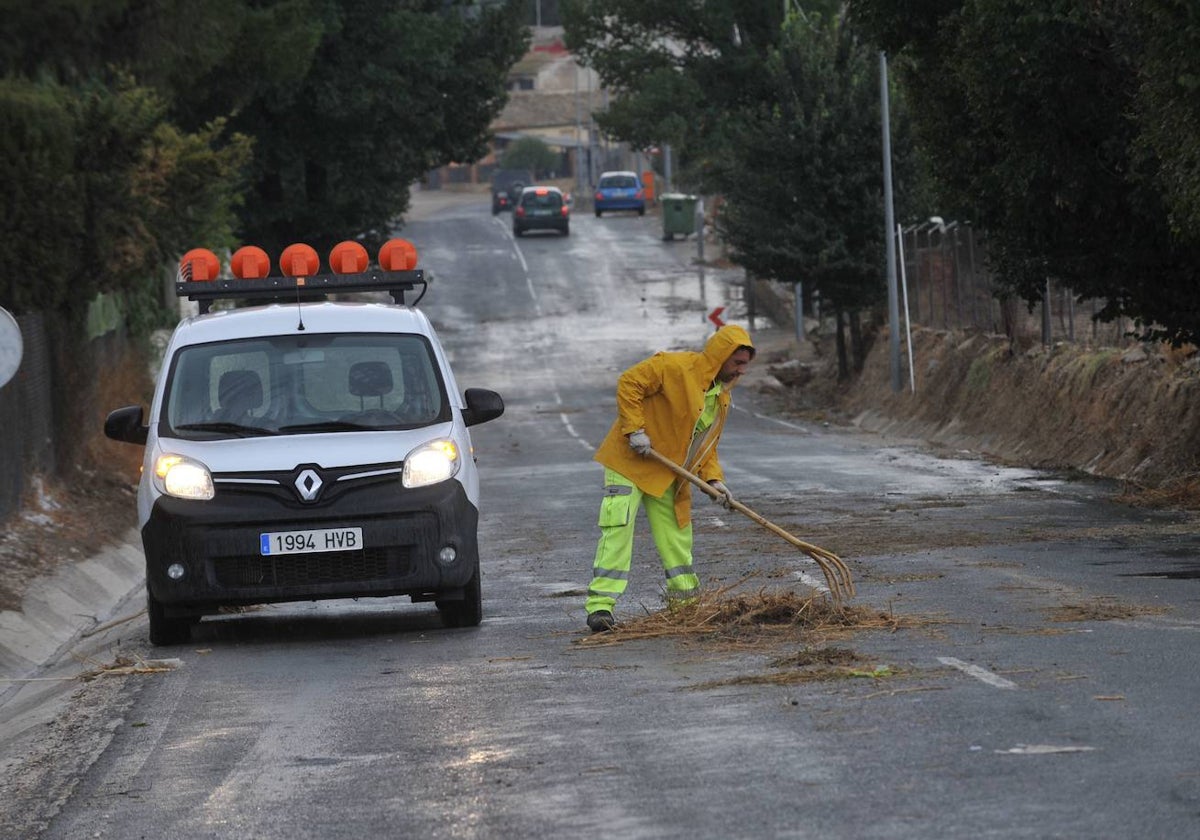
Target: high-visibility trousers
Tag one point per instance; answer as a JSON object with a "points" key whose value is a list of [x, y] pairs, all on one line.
{"points": [[614, 551]]}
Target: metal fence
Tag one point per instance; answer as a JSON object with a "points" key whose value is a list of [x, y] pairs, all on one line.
{"points": [[26, 415], [947, 285]]}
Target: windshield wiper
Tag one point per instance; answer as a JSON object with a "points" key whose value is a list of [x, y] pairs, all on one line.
{"points": [[328, 426], [236, 429]]}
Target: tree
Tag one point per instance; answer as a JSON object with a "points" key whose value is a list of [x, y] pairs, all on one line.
{"points": [[1167, 103], [804, 186], [346, 102], [391, 92], [678, 69], [37, 157], [1043, 131], [122, 189], [129, 126], [530, 153], [779, 116]]}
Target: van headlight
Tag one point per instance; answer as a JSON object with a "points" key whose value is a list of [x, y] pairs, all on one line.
{"points": [[183, 478], [430, 463]]}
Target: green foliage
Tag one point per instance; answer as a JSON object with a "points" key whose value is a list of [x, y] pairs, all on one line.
{"points": [[191, 185], [779, 115], [679, 70], [99, 191], [141, 129], [530, 153], [147, 308], [1066, 130], [39, 202], [979, 375], [1168, 103], [390, 93], [804, 184], [146, 189]]}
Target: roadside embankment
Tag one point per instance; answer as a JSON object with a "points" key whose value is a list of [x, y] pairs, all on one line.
{"points": [[1131, 413]]}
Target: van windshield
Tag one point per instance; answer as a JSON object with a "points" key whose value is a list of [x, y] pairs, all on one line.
{"points": [[294, 384]]}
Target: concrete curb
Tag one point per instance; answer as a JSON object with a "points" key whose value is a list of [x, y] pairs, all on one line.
{"points": [[58, 609]]}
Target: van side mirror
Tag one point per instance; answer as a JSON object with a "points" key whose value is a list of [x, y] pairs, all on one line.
{"points": [[482, 405], [125, 424]]}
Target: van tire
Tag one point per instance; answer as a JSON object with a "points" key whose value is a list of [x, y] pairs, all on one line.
{"points": [[164, 630], [469, 611]]}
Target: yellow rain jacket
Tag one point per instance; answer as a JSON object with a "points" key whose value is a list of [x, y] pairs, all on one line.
{"points": [[664, 395]]}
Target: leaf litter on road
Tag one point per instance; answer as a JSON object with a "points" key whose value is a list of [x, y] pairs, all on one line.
{"points": [[725, 619]]}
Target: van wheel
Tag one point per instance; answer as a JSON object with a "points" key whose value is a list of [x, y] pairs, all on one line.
{"points": [[469, 611], [164, 630]]}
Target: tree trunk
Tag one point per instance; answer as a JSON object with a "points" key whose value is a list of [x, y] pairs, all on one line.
{"points": [[857, 347], [840, 339]]}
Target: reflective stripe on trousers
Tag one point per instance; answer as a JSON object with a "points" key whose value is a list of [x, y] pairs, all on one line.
{"points": [[614, 551]]}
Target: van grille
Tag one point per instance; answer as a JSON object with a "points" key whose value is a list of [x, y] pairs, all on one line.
{"points": [[309, 569]]}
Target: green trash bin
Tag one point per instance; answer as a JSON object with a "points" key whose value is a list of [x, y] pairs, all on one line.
{"points": [[678, 215]]}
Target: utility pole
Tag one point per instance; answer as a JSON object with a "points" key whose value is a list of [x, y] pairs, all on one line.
{"points": [[578, 135], [889, 227]]}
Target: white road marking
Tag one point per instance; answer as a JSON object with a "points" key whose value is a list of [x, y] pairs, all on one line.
{"points": [[1042, 749], [570, 429], [981, 674], [1160, 624], [537, 306], [793, 426]]}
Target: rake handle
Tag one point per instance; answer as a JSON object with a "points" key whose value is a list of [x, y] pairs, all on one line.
{"points": [[838, 575], [714, 494]]}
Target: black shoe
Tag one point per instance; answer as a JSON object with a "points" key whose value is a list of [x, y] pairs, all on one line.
{"points": [[601, 621]]}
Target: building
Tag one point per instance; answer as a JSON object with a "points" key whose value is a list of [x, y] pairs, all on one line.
{"points": [[553, 98]]}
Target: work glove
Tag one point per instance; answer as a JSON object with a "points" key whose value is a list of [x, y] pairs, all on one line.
{"points": [[639, 442], [725, 500]]}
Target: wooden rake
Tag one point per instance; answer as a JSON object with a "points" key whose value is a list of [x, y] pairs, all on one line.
{"points": [[837, 574]]}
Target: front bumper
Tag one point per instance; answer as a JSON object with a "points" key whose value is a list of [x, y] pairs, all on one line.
{"points": [[217, 543]]}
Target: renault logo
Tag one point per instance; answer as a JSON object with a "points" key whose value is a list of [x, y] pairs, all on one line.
{"points": [[308, 485]]}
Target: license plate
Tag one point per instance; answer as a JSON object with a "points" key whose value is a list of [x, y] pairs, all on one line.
{"points": [[310, 542]]}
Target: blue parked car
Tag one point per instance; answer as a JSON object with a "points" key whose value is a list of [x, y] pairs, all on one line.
{"points": [[620, 191]]}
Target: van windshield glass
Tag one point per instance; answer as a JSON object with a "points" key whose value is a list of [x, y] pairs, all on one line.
{"points": [[296, 384]]}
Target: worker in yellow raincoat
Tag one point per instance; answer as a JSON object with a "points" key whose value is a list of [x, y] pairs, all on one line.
{"points": [[675, 403]]}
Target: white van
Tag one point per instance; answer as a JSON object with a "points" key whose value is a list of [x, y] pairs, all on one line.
{"points": [[303, 449]]}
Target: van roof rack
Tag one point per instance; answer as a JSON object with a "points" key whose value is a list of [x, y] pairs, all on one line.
{"points": [[299, 289]]}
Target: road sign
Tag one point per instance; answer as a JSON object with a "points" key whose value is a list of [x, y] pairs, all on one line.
{"points": [[10, 346], [715, 317]]}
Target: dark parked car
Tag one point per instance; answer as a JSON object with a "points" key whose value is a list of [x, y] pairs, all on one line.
{"points": [[619, 191], [542, 208], [506, 187]]}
